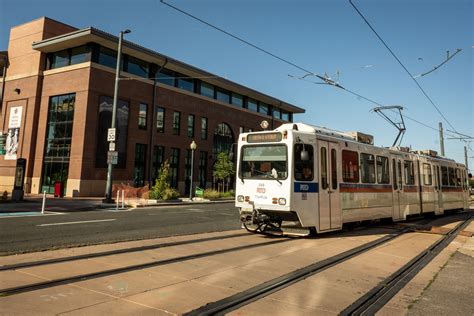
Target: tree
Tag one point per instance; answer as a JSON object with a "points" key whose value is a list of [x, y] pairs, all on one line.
{"points": [[224, 167], [162, 189]]}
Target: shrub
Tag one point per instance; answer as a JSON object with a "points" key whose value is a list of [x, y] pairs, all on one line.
{"points": [[170, 194], [229, 193], [162, 189], [211, 194]]}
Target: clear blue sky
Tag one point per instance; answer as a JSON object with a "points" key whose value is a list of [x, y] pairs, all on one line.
{"points": [[323, 36]]}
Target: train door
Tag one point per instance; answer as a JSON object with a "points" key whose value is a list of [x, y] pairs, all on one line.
{"points": [[439, 208], [329, 197], [402, 189], [396, 190]]}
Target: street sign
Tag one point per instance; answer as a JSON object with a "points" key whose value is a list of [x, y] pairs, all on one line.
{"points": [[111, 135], [111, 146], [112, 157]]}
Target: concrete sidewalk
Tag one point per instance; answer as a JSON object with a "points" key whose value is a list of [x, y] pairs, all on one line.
{"points": [[33, 203]]}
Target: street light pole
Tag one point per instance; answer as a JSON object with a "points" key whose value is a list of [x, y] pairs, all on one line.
{"points": [[108, 190], [193, 147]]}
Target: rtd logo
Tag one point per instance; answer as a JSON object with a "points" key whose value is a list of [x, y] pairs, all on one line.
{"points": [[304, 187]]}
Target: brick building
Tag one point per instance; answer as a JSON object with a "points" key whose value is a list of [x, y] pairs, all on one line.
{"points": [[56, 98]]}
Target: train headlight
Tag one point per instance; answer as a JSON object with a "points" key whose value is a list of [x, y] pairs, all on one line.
{"points": [[240, 198], [282, 201]]}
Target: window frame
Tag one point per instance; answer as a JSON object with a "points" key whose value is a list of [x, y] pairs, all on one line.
{"points": [[346, 162], [371, 176]]}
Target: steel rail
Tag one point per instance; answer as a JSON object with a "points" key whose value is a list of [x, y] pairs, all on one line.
{"points": [[248, 296], [380, 295], [114, 252], [94, 275]]}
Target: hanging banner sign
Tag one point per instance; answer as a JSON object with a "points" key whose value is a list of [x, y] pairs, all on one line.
{"points": [[13, 135]]}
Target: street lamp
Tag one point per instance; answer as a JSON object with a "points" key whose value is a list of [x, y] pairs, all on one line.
{"points": [[112, 134], [193, 147]]}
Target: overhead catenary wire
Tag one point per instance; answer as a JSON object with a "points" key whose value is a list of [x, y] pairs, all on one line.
{"points": [[403, 66], [325, 79]]}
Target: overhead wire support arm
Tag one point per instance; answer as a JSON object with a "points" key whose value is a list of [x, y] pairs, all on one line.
{"points": [[436, 67]]}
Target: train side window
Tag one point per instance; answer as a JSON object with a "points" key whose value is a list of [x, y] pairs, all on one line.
{"points": [[452, 177], [394, 172], [324, 168], [350, 166], [304, 170], [444, 175], [458, 177], [409, 172], [334, 169], [367, 170], [427, 176], [438, 180], [400, 180], [383, 174]]}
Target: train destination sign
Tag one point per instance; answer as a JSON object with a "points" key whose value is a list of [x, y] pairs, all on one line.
{"points": [[263, 138]]}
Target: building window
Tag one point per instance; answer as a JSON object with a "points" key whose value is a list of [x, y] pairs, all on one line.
{"points": [[69, 56], [222, 95], [137, 67], [160, 120], [80, 54], [139, 165], [427, 177], [263, 108], [350, 166], [121, 124], [158, 156], [174, 166], [58, 141], [107, 57], [190, 125], [409, 172], [207, 90], [252, 105], [276, 113], [60, 59], [285, 116], [142, 112], [176, 122], [237, 100], [166, 76], [204, 128], [187, 171], [186, 84], [383, 170], [202, 169], [223, 139]]}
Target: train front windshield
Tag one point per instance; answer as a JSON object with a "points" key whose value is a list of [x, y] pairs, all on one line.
{"points": [[264, 162]]}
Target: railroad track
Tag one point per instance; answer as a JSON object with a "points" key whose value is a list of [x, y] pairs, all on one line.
{"points": [[255, 293]]}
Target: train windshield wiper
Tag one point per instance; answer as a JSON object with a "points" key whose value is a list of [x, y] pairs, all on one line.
{"points": [[270, 175]]}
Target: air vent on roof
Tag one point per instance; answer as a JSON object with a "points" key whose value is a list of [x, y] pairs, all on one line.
{"points": [[362, 138]]}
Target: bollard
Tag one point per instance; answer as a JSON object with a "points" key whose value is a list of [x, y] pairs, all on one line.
{"points": [[44, 202], [118, 197], [123, 199]]}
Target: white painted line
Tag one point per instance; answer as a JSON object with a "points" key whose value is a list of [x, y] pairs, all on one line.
{"points": [[198, 210], [227, 214], [81, 222]]}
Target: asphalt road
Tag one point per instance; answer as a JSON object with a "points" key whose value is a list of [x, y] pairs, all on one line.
{"points": [[35, 233]]}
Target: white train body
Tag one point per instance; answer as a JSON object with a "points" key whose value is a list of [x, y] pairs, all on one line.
{"points": [[340, 178]]}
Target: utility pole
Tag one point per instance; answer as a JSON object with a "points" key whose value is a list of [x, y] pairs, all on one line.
{"points": [[441, 138]]}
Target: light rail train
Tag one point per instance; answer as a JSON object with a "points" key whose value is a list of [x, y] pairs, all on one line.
{"points": [[305, 177]]}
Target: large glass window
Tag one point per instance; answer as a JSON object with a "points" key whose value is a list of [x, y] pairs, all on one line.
{"points": [[60, 59], [202, 169], [222, 95], [427, 176], [409, 172], [264, 162], [107, 57], [237, 100], [160, 120], [350, 166], [176, 122], [263, 108], [121, 124], [383, 170], [190, 125], [80, 54], [252, 105], [166, 76], [186, 84], [223, 138], [137, 67], [142, 113], [158, 158], [207, 90], [276, 113], [174, 167], [367, 168], [285, 116], [203, 127], [304, 169], [139, 165], [58, 141]]}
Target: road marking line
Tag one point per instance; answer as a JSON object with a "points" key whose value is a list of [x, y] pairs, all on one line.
{"points": [[81, 222], [226, 214]]}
